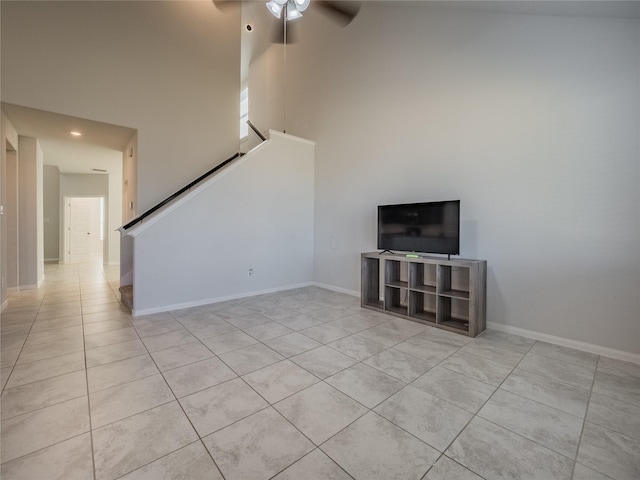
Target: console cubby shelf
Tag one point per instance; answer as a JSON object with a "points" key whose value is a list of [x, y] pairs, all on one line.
{"points": [[449, 294]]}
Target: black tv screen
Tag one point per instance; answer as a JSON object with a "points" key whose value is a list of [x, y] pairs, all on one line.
{"points": [[432, 227]]}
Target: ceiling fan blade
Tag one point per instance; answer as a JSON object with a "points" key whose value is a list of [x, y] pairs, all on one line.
{"points": [[342, 12], [226, 5]]}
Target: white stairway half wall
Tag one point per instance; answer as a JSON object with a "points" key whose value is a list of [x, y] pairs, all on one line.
{"points": [[247, 230]]}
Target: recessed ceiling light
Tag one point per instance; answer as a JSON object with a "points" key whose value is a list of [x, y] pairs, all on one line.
{"points": [[75, 133]]}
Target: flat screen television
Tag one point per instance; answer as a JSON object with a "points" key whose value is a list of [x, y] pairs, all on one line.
{"points": [[432, 227]]}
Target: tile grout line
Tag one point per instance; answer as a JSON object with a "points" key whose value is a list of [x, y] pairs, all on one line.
{"points": [[369, 410], [474, 415], [86, 371], [23, 345], [449, 403], [176, 399], [329, 385], [478, 410], [584, 420], [269, 404]]}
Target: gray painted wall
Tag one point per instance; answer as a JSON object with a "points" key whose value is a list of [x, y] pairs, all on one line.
{"points": [[30, 213], [51, 212], [531, 121], [169, 69], [8, 197]]}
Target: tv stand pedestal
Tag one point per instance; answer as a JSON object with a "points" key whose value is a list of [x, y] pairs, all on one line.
{"points": [[444, 293]]}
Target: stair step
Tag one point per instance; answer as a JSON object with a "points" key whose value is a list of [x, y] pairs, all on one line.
{"points": [[126, 296]]}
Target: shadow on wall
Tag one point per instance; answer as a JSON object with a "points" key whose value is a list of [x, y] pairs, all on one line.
{"points": [[497, 307]]}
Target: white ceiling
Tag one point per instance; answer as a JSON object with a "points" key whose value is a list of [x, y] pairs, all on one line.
{"points": [[100, 145], [572, 8], [264, 26]]}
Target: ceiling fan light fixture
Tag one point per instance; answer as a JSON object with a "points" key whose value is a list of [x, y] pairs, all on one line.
{"points": [[275, 8], [292, 12], [302, 5]]}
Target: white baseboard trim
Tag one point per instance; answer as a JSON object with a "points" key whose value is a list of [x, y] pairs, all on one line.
{"points": [[51, 260], [208, 301], [28, 287], [567, 342], [333, 288]]}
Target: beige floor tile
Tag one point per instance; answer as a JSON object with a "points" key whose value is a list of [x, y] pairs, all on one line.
{"points": [[376, 449], [115, 403], [33, 431], [43, 393], [192, 461], [320, 411], [124, 446], [527, 428], [69, 459], [198, 376], [217, 407], [122, 371], [274, 445], [279, 380]]}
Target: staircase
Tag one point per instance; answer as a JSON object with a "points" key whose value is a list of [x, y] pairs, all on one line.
{"points": [[126, 296], [218, 238]]}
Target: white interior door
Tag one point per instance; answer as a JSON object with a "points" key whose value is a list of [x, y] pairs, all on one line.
{"points": [[79, 229]]}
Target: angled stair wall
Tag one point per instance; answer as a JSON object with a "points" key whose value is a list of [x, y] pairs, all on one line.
{"points": [[256, 214]]}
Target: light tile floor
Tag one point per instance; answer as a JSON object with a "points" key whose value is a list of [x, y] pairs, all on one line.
{"points": [[302, 384]]}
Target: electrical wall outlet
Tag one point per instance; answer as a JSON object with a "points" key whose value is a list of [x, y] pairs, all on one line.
{"points": [[250, 273]]}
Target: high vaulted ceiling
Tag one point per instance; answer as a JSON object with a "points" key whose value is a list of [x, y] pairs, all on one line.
{"points": [[101, 142]]}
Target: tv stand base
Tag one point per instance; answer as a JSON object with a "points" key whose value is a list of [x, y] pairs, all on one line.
{"points": [[443, 293]]}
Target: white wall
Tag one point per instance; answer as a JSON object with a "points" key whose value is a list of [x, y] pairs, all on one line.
{"points": [[531, 121], [129, 207], [96, 246], [30, 213], [51, 226], [113, 218], [8, 198], [129, 193], [267, 89], [256, 214], [10, 236], [170, 69], [39, 196]]}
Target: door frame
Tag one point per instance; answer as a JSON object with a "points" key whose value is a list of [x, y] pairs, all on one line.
{"points": [[65, 223]]}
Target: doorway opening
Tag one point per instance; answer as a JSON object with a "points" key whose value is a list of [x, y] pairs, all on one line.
{"points": [[84, 229]]}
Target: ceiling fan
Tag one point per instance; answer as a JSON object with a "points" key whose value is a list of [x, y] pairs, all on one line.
{"points": [[341, 12]]}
